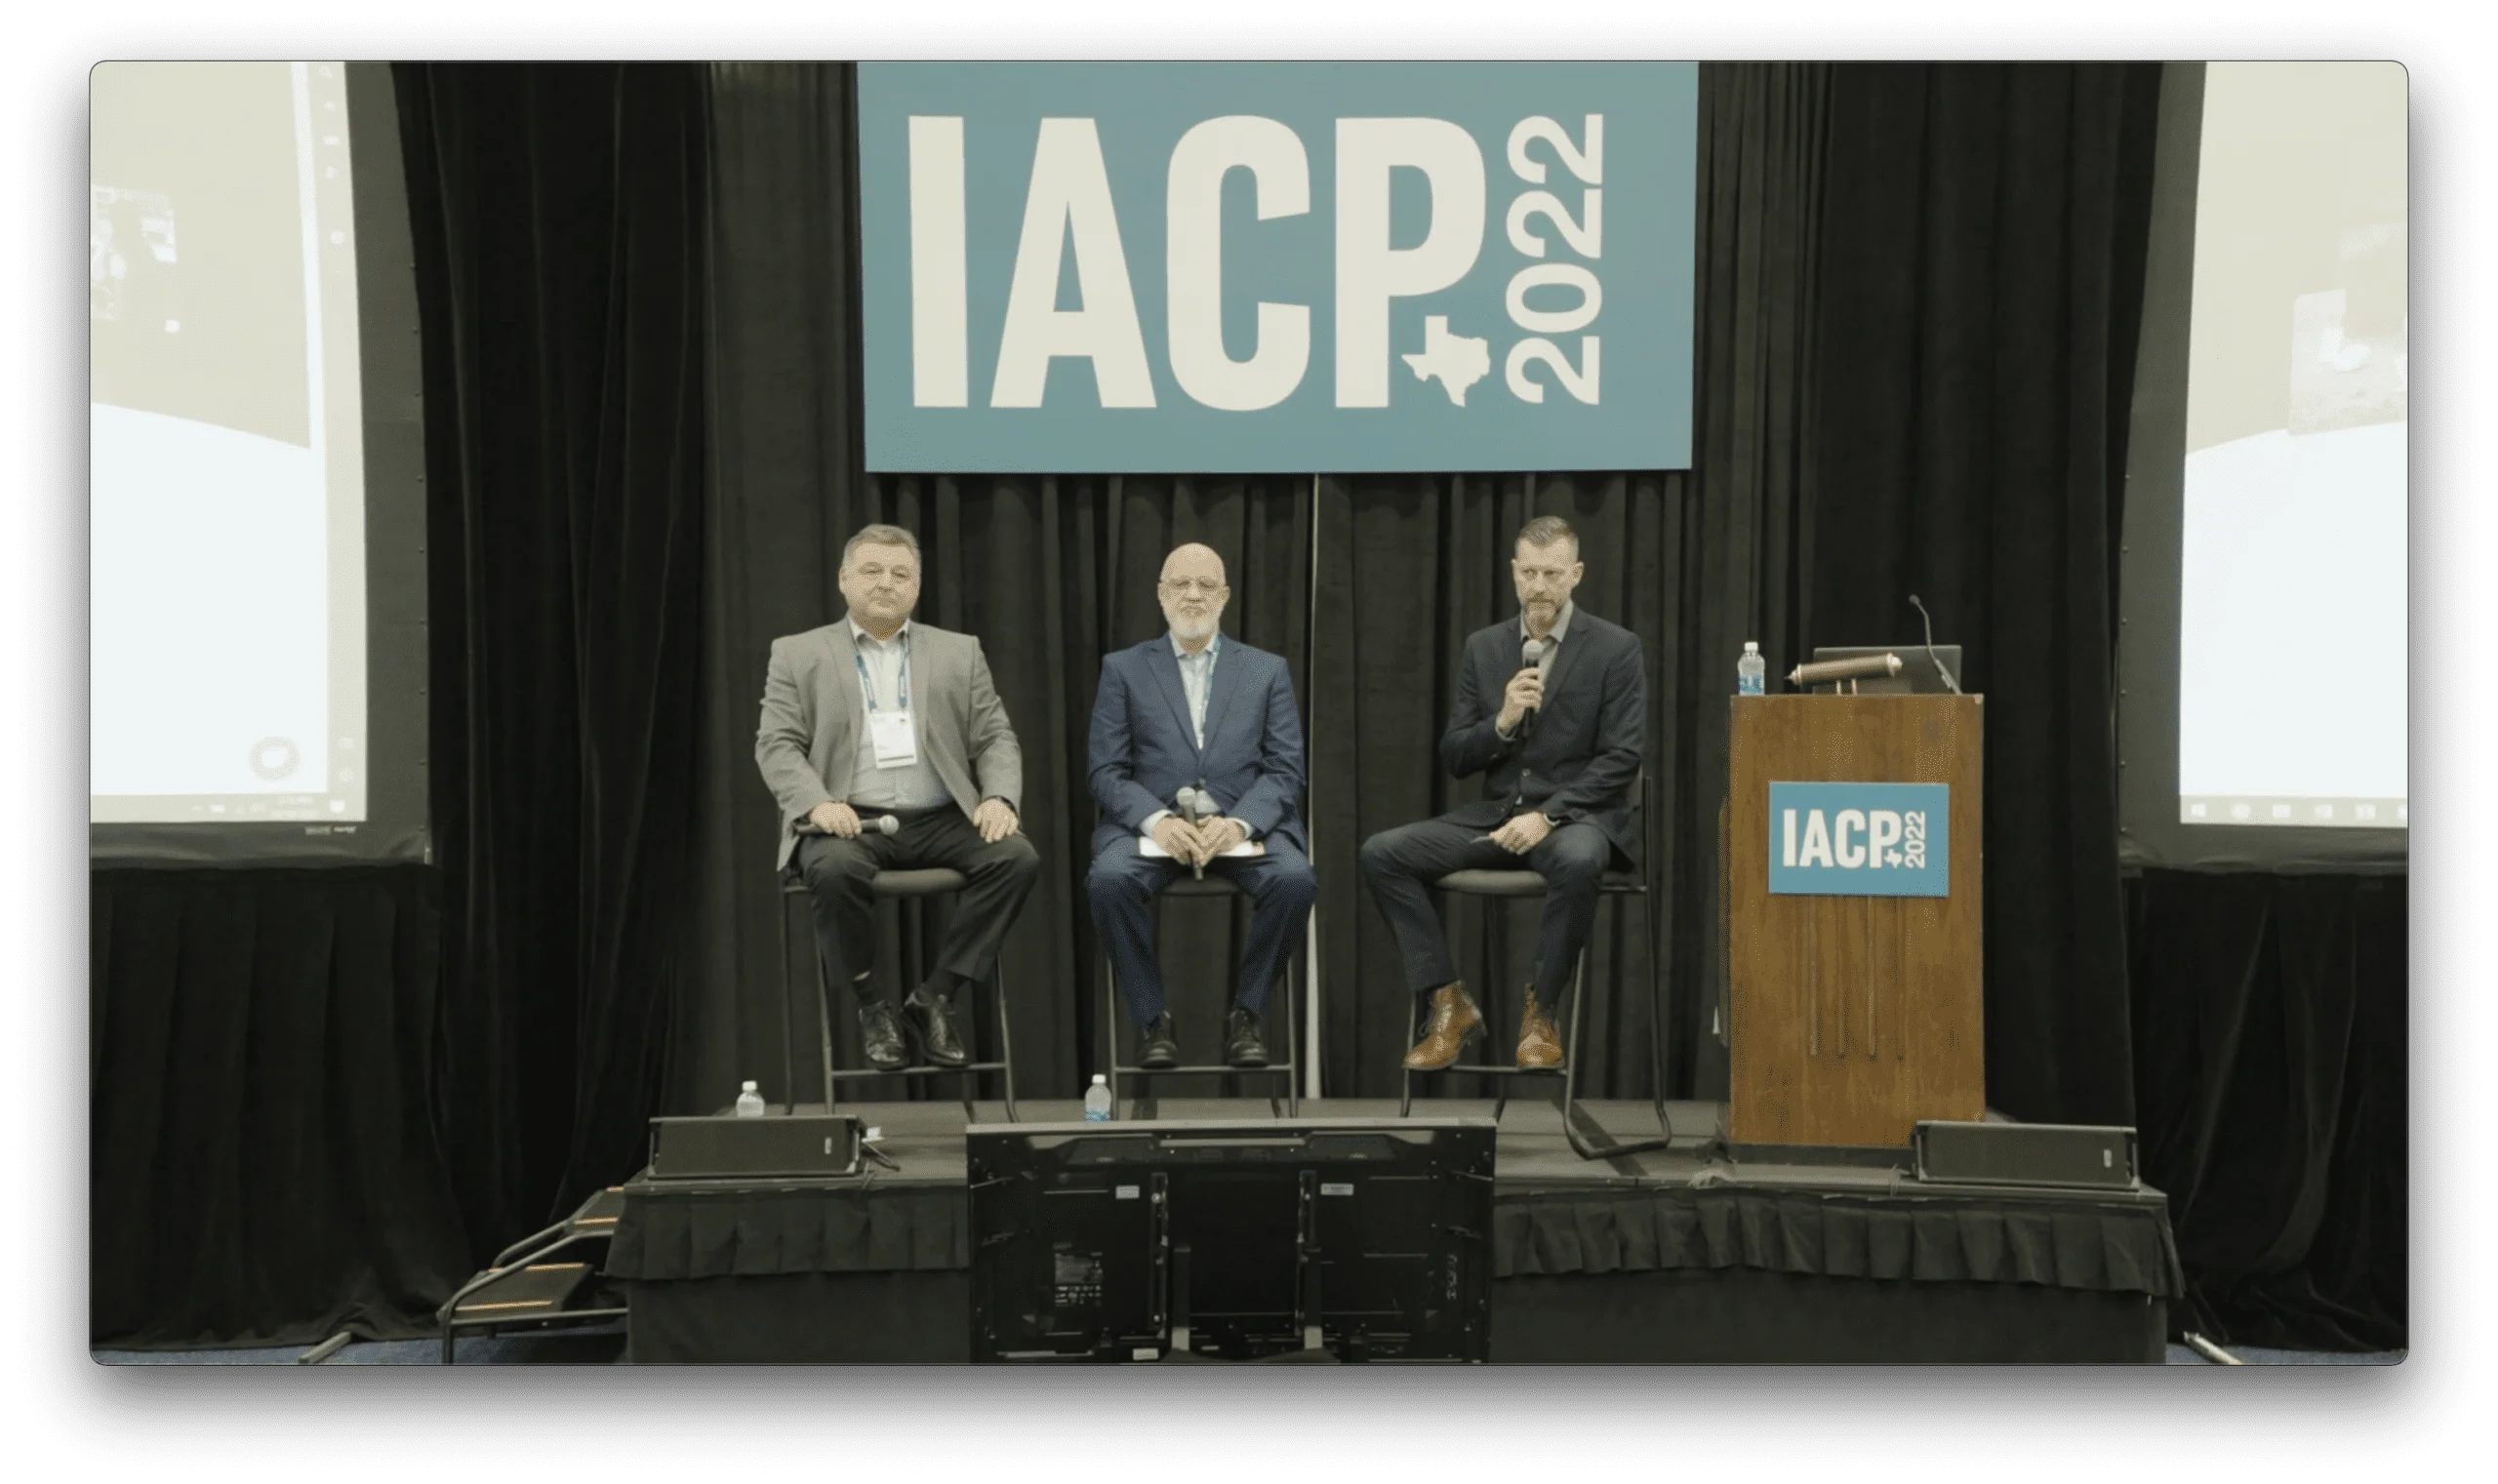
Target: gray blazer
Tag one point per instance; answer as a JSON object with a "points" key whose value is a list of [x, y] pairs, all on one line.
{"points": [[808, 743]]}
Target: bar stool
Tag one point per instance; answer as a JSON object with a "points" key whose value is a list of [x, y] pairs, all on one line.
{"points": [[1114, 1013], [890, 886], [1511, 885]]}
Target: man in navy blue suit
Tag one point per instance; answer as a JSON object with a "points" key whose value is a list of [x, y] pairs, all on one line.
{"points": [[1553, 709], [1196, 747]]}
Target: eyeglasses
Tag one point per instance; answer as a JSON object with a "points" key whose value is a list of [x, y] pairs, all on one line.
{"points": [[1194, 586]]}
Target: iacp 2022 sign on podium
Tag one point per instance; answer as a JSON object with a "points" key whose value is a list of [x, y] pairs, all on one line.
{"points": [[1276, 266]]}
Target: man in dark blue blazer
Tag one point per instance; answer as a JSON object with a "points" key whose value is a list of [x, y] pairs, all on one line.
{"points": [[1552, 709], [1194, 711]]}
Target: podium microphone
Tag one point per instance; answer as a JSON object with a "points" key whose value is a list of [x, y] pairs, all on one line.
{"points": [[1954, 685]]}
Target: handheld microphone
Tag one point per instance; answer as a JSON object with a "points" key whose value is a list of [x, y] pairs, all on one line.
{"points": [[1954, 685], [1530, 656], [881, 825], [1197, 806]]}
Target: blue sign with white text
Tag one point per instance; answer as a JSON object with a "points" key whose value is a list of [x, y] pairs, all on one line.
{"points": [[1231, 267], [1860, 839]]}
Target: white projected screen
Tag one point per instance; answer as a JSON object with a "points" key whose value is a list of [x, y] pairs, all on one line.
{"points": [[2291, 691], [227, 556]]}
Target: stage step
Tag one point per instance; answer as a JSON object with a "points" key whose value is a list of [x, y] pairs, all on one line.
{"points": [[531, 1292], [528, 1287]]}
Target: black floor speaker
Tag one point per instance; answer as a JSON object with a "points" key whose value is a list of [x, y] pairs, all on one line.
{"points": [[783, 1145], [2066, 1155]]}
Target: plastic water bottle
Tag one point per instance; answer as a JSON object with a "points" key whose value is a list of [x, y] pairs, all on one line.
{"points": [[1751, 670], [1096, 1100], [749, 1102]]}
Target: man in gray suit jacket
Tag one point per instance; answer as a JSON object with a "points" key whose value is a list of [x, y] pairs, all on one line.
{"points": [[888, 749]]}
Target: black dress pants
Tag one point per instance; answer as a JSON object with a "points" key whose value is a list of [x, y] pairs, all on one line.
{"points": [[837, 874]]}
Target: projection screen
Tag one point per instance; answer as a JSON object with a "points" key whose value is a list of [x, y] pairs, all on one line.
{"points": [[257, 598], [2264, 661]]}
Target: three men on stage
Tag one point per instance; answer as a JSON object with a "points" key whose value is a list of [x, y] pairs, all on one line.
{"points": [[877, 719], [1553, 709], [1195, 746]]}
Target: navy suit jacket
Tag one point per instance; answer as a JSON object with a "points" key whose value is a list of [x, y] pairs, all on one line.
{"points": [[1143, 750], [1578, 763]]}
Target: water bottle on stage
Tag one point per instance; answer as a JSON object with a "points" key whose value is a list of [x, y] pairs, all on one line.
{"points": [[1096, 1100], [749, 1102], [1751, 670]]}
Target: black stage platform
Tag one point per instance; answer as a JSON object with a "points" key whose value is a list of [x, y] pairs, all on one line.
{"points": [[1659, 1256]]}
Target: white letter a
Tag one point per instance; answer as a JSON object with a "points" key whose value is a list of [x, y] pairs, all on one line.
{"points": [[1071, 197]]}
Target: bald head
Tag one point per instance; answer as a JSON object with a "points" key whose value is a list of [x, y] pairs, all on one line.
{"points": [[1194, 560], [1192, 593]]}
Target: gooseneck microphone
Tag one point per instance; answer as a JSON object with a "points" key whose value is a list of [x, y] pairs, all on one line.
{"points": [[1939, 669]]}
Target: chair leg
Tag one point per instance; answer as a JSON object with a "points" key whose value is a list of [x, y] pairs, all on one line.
{"points": [[823, 1029], [789, 1007], [1006, 1044], [1658, 1030], [1579, 1143], [1110, 1030]]}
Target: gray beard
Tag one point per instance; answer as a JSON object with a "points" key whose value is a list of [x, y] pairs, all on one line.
{"points": [[1196, 634]]}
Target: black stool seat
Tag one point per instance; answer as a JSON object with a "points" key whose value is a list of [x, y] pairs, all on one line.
{"points": [[1485, 883], [1194, 886], [928, 881]]}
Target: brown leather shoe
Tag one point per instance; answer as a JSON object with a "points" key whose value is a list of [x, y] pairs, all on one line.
{"points": [[1454, 1022], [1539, 1044]]}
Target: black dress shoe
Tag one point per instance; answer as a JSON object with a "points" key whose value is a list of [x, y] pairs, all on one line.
{"points": [[881, 1036], [931, 1018], [1157, 1049], [1242, 1043]]}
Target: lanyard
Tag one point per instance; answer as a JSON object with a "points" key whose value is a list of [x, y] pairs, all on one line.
{"points": [[867, 691]]}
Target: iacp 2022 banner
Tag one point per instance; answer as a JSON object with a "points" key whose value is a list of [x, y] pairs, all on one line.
{"points": [[1276, 266]]}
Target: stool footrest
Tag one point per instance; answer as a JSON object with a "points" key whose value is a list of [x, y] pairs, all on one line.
{"points": [[1271, 1068], [846, 1073]]}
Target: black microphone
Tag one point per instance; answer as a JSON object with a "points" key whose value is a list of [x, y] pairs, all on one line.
{"points": [[1954, 685], [1530, 656], [881, 825]]}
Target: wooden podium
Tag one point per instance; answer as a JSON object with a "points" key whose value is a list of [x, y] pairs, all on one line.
{"points": [[1851, 1017]]}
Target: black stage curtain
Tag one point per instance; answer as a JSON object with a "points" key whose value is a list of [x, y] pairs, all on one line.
{"points": [[2273, 1028], [262, 1164], [558, 220], [1980, 291]]}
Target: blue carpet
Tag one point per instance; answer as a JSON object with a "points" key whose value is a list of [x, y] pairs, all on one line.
{"points": [[2179, 1355], [601, 1345], [605, 1346]]}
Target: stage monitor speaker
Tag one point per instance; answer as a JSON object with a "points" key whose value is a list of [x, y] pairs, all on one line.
{"points": [[2064, 1155], [775, 1146]]}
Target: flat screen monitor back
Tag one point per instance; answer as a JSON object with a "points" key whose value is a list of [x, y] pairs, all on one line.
{"points": [[1918, 675], [1097, 1241]]}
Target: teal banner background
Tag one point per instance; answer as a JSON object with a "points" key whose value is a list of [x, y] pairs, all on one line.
{"points": [[1896, 840], [1638, 246]]}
